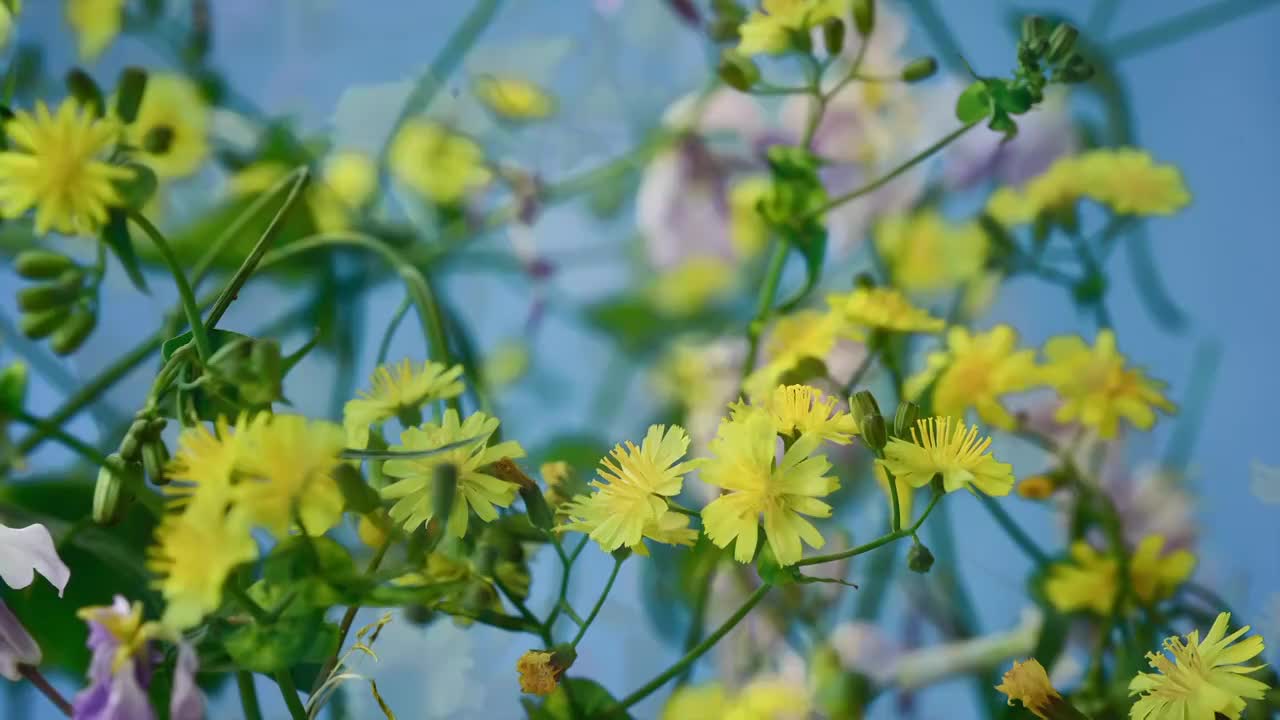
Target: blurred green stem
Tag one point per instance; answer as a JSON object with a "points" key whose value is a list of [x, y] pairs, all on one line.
{"points": [[604, 594], [248, 695], [189, 306], [764, 305], [1184, 25]]}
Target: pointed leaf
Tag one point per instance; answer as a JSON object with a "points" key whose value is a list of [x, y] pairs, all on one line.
{"points": [[116, 235]]}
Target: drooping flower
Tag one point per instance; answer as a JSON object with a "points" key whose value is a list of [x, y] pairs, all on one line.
{"points": [[1028, 683], [976, 370], [54, 166], [96, 22], [880, 308], [285, 474], [944, 446], [514, 99], [1091, 581], [926, 253], [398, 389], [475, 489], [1097, 388], [441, 165], [171, 130], [743, 452], [801, 409], [769, 30], [1202, 679]]}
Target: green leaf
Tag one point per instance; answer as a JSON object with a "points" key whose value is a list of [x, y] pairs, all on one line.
{"points": [[217, 338], [590, 699], [138, 188], [290, 641], [83, 88], [811, 243], [116, 235], [974, 103], [129, 90]]}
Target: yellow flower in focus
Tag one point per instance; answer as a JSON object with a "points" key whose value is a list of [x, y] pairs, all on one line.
{"points": [[743, 463], [1097, 388], [537, 675], [351, 176], [1091, 580], [692, 285], [441, 165], [476, 488], [943, 445], [880, 308], [800, 409], [769, 29], [193, 554], [171, 131], [96, 22], [513, 98], [1131, 183], [1203, 680], [1028, 683], [748, 231], [398, 389], [53, 165], [629, 505], [925, 253], [286, 474], [974, 371]]}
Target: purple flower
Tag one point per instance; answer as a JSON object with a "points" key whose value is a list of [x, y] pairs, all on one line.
{"points": [[187, 702], [17, 647]]}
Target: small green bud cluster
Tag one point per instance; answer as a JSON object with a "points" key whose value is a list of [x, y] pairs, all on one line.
{"points": [[59, 305]]}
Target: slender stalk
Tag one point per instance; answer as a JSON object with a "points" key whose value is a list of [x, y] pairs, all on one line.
{"points": [[764, 305], [384, 346], [696, 652], [566, 564], [73, 443], [187, 296], [540, 628], [290, 693], [259, 613], [1015, 533], [33, 675], [878, 542], [232, 231], [248, 695], [1184, 25], [894, 501], [617, 565], [349, 617]]}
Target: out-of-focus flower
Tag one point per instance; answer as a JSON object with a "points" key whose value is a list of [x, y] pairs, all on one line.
{"points": [[8, 18], [1149, 500], [800, 409], [925, 253], [1044, 135], [880, 308], [765, 697], [771, 28], [396, 390], [1097, 388], [352, 176], [941, 445], [1203, 678], [17, 647], [864, 648], [27, 551], [441, 165], [1028, 683], [748, 231], [692, 285], [513, 98], [96, 22], [476, 489], [194, 553], [743, 464], [287, 467], [171, 130], [347, 180], [976, 370], [55, 166], [1091, 580]]}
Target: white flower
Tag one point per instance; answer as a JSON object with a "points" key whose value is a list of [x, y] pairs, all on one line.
{"points": [[27, 551]]}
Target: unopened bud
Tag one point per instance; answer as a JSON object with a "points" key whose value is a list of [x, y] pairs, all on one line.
{"points": [[44, 297], [873, 430], [1034, 28], [110, 497], [72, 334], [41, 264], [919, 559], [154, 457], [738, 71], [40, 324], [905, 419], [864, 16], [1062, 42], [833, 36], [864, 404], [919, 69]]}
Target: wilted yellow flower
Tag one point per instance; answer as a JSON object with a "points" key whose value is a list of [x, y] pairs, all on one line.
{"points": [[441, 165], [747, 229], [171, 131], [743, 463], [1204, 678], [398, 389], [942, 445], [194, 553], [1091, 580], [537, 675], [96, 22], [1028, 683], [1097, 388], [692, 285], [801, 409], [925, 253], [286, 471], [1130, 182], [54, 166], [974, 371], [880, 308], [769, 29], [514, 99], [476, 488]]}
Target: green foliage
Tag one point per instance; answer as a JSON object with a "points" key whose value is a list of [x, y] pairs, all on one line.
{"points": [[573, 698]]}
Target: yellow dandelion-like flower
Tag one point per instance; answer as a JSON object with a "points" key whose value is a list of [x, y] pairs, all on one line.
{"points": [[203, 467], [286, 476], [880, 308], [514, 99], [976, 370], [945, 446], [1130, 182], [476, 489], [1057, 189], [1097, 388], [441, 165], [96, 22], [692, 285], [748, 231], [743, 452], [800, 409], [54, 166], [1028, 683], [194, 553], [398, 389], [171, 132], [1204, 679], [769, 29], [1091, 580], [925, 253]]}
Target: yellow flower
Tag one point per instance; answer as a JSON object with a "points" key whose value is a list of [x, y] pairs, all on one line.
{"points": [[441, 165], [1131, 183], [629, 504], [769, 30], [286, 474], [171, 131], [513, 98], [801, 409], [1096, 387], [925, 253], [692, 285], [974, 371], [54, 166], [476, 489], [794, 337], [696, 701], [880, 308], [203, 467], [941, 445], [96, 22], [744, 450], [768, 698], [123, 621], [1028, 683], [1204, 678], [1091, 580], [193, 554], [537, 675], [1010, 207], [398, 389], [331, 202], [747, 229], [351, 176]]}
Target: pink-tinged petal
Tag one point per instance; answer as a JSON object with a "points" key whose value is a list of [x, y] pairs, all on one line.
{"points": [[187, 702]]}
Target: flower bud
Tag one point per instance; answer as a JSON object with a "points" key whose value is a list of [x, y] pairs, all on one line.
{"points": [[919, 69], [1034, 28], [45, 297], [41, 264], [41, 324], [919, 559], [864, 16], [833, 36], [874, 433], [738, 71], [863, 404], [905, 419], [110, 497], [1062, 42], [154, 457], [72, 334]]}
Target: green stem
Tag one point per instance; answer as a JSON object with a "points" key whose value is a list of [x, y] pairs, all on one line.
{"points": [[385, 345], [248, 695], [1015, 533], [259, 613], [617, 565], [696, 652], [764, 305], [349, 617], [234, 229], [1183, 26], [73, 443], [878, 542], [542, 629], [188, 298], [893, 500], [290, 693], [566, 564]]}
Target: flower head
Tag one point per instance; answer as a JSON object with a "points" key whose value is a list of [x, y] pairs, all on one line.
{"points": [[441, 165], [193, 555], [514, 99], [351, 176], [1091, 580], [925, 253], [769, 29], [537, 675], [794, 337], [204, 465], [1028, 683], [285, 474], [743, 463], [476, 489], [801, 409], [96, 22], [1130, 182], [1202, 679], [1097, 387], [172, 127], [944, 446], [880, 308], [975, 371], [54, 167], [397, 389]]}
